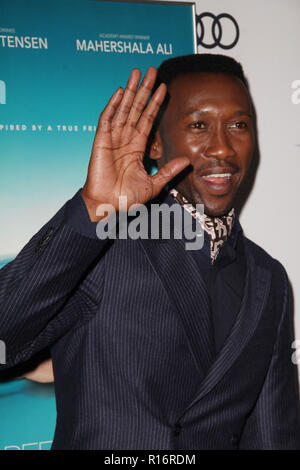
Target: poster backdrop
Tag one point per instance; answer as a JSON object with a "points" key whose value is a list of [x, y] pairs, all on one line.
{"points": [[60, 60]]}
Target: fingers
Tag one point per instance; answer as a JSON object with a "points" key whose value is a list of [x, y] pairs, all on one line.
{"points": [[168, 172], [141, 97], [132, 105], [146, 121], [125, 111], [104, 123], [121, 115]]}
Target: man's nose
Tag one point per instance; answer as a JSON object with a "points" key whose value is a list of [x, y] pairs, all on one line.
{"points": [[219, 145]]}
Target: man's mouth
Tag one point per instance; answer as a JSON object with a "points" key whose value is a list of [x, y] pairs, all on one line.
{"points": [[218, 178], [217, 181]]}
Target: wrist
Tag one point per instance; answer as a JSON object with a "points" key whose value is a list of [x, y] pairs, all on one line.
{"points": [[92, 205]]}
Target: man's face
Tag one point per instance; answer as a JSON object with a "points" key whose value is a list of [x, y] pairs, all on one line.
{"points": [[209, 120]]}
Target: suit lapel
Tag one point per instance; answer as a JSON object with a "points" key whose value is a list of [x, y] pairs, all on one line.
{"points": [[258, 281], [180, 276]]}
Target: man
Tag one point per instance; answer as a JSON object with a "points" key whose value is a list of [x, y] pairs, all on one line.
{"points": [[155, 346]]}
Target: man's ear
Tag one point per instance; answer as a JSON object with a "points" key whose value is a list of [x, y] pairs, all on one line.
{"points": [[156, 148]]}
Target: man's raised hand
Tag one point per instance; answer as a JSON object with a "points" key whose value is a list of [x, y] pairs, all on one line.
{"points": [[116, 164]]}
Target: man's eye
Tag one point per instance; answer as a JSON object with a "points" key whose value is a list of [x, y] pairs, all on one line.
{"points": [[198, 125], [239, 125]]}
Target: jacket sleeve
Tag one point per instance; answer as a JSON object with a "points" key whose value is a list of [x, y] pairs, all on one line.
{"points": [[274, 422], [39, 299]]}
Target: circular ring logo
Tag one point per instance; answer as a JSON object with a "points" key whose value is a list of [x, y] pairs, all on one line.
{"points": [[216, 30]]}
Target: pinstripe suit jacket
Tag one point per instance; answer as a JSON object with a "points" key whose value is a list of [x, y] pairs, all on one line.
{"points": [[127, 322]]}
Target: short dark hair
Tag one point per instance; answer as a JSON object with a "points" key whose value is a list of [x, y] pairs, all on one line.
{"points": [[196, 63]]}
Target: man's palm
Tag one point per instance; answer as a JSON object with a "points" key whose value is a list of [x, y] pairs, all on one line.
{"points": [[116, 165]]}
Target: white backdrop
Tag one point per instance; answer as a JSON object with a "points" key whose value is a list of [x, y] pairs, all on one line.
{"points": [[268, 48]]}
